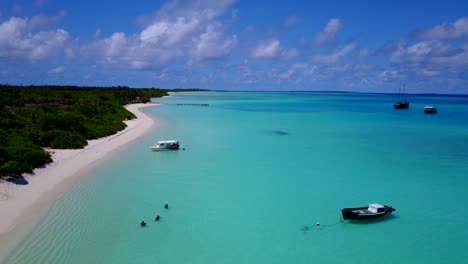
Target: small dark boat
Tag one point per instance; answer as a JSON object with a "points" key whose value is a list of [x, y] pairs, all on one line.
{"points": [[371, 211], [430, 109], [401, 105]]}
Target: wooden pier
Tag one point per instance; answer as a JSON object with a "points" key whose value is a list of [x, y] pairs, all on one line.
{"points": [[193, 104]]}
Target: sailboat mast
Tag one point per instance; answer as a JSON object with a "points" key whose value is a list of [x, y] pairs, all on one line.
{"points": [[404, 90]]}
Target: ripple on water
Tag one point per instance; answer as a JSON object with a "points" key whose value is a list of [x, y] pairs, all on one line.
{"points": [[63, 225]]}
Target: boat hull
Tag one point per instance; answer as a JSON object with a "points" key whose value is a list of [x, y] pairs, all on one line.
{"points": [[401, 105], [427, 111], [163, 149], [359, 213]]}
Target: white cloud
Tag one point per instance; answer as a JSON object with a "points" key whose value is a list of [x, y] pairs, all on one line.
{"points": [[284, 75], [266, 50], [42, 21], [212, 45], [425, 51], [389, 75], [348, 71], [97, 33], [292, 20], [234, 13], [18, 38], [40, 3], [329, 32], [205, 79], [247, 74], [208, 9], [312, 70], [457, 29], [178, 29], [363, 52], [162, 76], [430, 73], [288, 54], [335, 56], [300, 65], [458, 59], [427, 61], [124, 51], [57, 70], [168, 33]]}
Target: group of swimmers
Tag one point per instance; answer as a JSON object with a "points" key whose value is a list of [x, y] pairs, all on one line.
{"points": [[143, 223]]}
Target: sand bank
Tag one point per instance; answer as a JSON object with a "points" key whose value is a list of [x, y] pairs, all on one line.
{"points": [[19, 202]]}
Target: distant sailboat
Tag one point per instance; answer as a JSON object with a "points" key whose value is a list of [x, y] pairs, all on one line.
{"points": [[401, 104]]}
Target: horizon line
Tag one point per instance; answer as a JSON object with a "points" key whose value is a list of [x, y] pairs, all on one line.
{"points": [[253, 91]]}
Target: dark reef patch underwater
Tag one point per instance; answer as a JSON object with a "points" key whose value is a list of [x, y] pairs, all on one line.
{"points": [[277, 132]]}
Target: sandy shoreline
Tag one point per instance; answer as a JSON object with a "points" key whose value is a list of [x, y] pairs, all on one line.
{"points": [[45, 185]]}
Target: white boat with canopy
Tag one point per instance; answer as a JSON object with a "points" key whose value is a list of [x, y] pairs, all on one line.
{"points": [[165, 145]]}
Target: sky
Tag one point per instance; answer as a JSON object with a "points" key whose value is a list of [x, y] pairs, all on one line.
{"points": [[365, 46]]}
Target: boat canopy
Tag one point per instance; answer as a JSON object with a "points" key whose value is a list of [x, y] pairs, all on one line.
{"points": [[374, 208], [168, 142]]}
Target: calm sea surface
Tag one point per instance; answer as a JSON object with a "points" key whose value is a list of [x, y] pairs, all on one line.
{"points": [[259, 170]]}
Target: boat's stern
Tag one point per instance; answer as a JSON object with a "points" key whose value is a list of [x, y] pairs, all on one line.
{"points": [[347, 214]]}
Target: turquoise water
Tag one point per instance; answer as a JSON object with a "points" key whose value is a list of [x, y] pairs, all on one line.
{"points": [[259, 170]]}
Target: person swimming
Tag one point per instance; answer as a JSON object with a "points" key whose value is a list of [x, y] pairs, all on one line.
{"points": [[143, 223], [157, 218], [166, 206]]}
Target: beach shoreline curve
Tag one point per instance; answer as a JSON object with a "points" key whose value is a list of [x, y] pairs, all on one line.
{"points": [[45, 185]]}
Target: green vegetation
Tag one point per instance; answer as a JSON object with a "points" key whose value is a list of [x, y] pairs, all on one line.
{"points": [[63, 117]]}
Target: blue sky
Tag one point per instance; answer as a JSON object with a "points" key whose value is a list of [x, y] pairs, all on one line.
{"points": [[370, 46]]}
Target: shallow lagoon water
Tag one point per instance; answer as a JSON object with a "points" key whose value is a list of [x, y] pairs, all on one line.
{"points": [[258, 171]]}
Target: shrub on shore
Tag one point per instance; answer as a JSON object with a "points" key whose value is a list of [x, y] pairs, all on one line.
{"points": [[63, 117]]}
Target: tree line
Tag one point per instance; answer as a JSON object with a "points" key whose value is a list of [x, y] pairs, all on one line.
{"points": [[62, 117]]}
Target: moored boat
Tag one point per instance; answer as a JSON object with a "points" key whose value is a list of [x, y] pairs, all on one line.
{"points": [[368, 212], [430, 109], [401, 105], [165, 145]]}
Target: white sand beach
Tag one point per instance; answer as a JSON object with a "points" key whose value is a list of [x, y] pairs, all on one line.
{"points": [[18, 203]]}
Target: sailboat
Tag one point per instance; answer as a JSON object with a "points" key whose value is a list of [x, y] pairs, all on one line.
{"points": [[401, 104]]}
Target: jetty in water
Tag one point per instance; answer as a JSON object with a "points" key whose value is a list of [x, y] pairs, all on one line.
{"points": [[192, 104]]}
